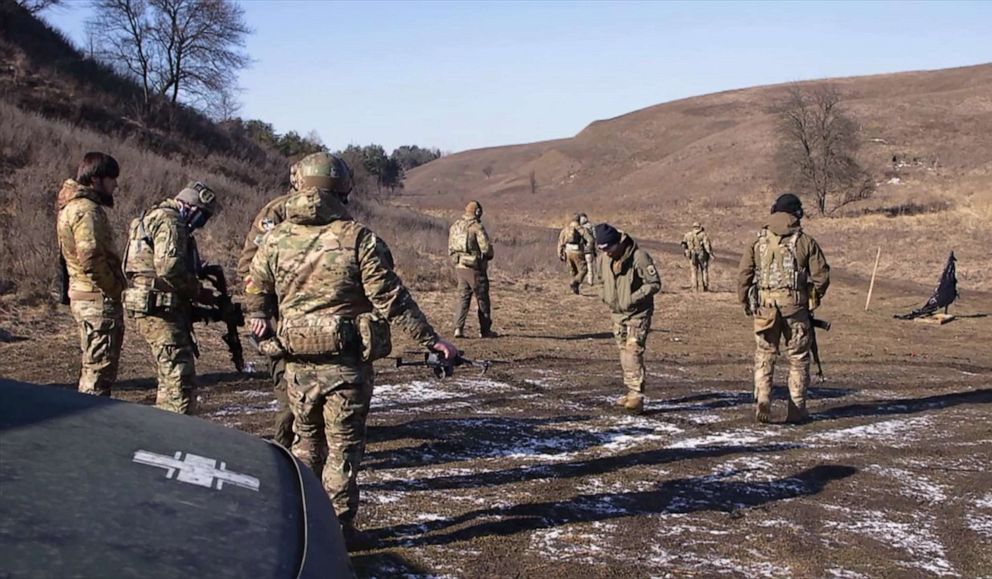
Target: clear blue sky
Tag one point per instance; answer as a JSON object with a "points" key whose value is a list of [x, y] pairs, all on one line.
{"points": [[460, 75]]}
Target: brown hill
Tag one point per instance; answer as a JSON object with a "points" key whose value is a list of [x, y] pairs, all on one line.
{"points": [[711, 157]]}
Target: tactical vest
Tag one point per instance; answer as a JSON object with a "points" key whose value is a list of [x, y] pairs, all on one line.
{"points": [[777, 263], [576, 237], [458, 237], [139, 256]]}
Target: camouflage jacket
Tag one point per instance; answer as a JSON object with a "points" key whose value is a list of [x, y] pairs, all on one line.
{"points": [[629, 283], [808, 282], [697, 241], [161, 252], [87, 242], [468, 244], [575, 239], [320, 262], [271, 215]]}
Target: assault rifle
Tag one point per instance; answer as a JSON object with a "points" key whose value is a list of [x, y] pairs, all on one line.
{"points": [[224, 309], [813, 347], [445, 368]]}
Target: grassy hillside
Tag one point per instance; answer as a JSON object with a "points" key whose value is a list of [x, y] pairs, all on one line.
{"points": [[55, 105], [711, 158]]}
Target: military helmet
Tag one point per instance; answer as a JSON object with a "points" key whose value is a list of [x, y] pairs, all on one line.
{"points": [[197, 194], [696, 225], [474, 208], [326, 172]]}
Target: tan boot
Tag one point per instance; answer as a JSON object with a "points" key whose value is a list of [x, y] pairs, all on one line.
{"points": [[459, 333], [763, 406], [634, 403], [622, 401]]}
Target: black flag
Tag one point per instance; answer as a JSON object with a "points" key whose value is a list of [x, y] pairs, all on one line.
{"points": [[946, 292]]}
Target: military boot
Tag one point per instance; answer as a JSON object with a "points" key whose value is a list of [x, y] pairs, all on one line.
{"points": [[489, 334], [459, 333], [632, 402], [797, 413], [354, 539], [575, 288], [763, 407]]}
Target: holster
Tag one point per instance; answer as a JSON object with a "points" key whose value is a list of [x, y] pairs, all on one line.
{"points": [[150, 301], [373, 330]]}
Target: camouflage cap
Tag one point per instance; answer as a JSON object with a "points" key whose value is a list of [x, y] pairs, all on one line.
{"points": [[696, 225], [326, 172], [197, 194]]}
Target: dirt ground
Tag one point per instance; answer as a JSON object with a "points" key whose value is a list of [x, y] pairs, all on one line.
{"points": [[529, 471]]}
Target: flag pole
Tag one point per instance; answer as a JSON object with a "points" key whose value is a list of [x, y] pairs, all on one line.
{"points": [[874, 271]]}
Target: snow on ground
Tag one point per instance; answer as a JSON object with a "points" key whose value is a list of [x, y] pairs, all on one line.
{"points": [[914, 537], [899, 432], [980, 518], [913, 484]]}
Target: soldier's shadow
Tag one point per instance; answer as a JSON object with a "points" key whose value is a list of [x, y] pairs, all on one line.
{"points": [[679, 496], [572, 469], [717, 400], [460, 439], [905, 405]]}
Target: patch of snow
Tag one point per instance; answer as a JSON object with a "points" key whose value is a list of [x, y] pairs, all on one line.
{"points": [[734, 437], [914, 484], [981, 522], [916, 537], [896, 433], [242, 409]]}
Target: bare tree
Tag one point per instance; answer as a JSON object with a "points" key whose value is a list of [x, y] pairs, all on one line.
{"points": [[36, 6], [818, 146], [175, 48], [487, 171], [533, 183], [122, 29], [201, 44]]}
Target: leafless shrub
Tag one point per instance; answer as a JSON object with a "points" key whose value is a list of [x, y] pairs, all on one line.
{"points": [[817, 149]]}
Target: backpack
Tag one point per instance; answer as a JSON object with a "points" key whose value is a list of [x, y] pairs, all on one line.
{"points": [[777, 263]]}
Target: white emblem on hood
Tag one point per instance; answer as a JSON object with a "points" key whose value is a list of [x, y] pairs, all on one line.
{"points": [[197, 470]]}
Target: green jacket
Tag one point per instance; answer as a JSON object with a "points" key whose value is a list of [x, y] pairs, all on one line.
{"points": [[629, 283], [813, 272]]}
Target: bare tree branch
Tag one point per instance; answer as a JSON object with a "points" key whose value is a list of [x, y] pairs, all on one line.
{"points": [[818, 146], [36, 6]]}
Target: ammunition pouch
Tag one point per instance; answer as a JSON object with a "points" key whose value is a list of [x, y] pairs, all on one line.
{"points": [[150, 301], [317, 335], [467, 260], [373, 330]]}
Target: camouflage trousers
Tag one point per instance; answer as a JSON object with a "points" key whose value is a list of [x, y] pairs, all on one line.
{"points": [[700, 265], [577, 268], [175, 368], [330, 403], [631, 336], [770, 329], [283, 426], [590, 269], [473, 282], [101, 334]]}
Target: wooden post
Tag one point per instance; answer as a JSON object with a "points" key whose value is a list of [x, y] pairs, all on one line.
{"points": [[874, 270]]}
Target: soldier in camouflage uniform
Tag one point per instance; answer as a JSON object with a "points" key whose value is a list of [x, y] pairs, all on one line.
{"points": [[471, 251], [630, 280], [94, 269], [161, 265], [590, 254], [333, 284], [785, 274], [573, 245], [696, 246], [272, 214]]}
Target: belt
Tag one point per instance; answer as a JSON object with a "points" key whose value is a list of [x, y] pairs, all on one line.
{"points": [[81, 296]]}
